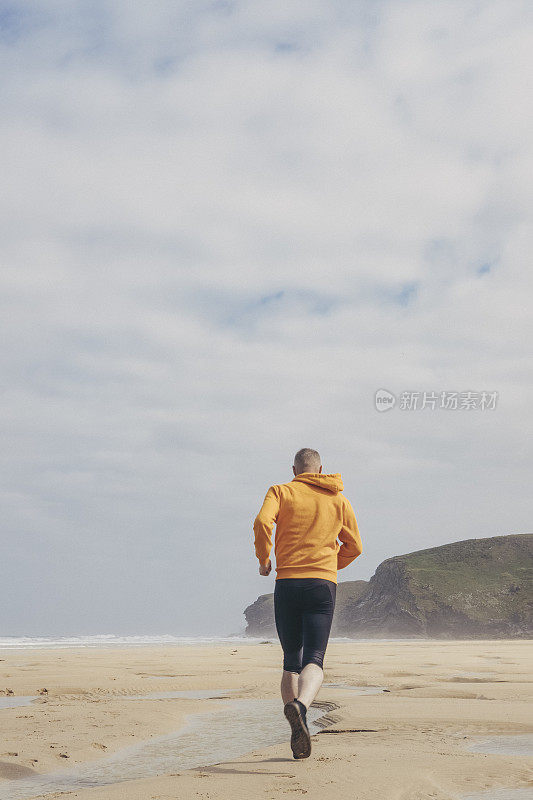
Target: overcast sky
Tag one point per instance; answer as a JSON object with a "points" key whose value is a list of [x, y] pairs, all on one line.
{"points": [[224, 226]]}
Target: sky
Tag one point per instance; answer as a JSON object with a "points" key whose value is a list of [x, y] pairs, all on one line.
{"points": [[224, 227]]}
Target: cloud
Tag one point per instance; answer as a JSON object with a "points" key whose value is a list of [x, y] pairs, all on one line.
{"points": [[224, 227]]}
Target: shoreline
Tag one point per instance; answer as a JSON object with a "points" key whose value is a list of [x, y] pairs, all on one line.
{"points": [[412, 728], [105, 642]]}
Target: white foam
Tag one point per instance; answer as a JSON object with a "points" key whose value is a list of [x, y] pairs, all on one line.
{"points": [[113, 640]]}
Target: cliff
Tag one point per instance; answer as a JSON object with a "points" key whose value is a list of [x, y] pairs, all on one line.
{"points": [[477, 588]]}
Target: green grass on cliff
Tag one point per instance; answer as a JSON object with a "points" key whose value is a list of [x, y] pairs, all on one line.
{"points": [[486, 583]]}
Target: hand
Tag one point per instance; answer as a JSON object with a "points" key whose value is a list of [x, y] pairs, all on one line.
{"points": [[265, 570]]}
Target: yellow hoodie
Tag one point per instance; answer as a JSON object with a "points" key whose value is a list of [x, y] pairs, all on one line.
{"points": [[310, 514]]}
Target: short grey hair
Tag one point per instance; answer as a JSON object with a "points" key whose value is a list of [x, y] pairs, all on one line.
{"points": [[307, 460]]}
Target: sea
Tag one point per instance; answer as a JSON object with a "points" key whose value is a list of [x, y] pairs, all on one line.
{"points": [[114, 640]]}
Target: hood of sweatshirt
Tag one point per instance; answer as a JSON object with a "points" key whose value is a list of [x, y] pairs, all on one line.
{"points": [[333, 483]]}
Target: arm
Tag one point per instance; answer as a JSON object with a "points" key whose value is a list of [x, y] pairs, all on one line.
{"points": [[264, 522], [351, 546]]}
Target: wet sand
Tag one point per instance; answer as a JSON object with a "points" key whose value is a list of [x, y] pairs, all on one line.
{"points": [[408, 743]]}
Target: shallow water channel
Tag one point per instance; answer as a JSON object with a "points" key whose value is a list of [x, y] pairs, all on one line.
{"points": [[209, 737], [501, 794], [505, 744], [12, 701], [517, 744]]}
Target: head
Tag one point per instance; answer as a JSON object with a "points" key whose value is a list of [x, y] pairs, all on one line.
{"points": [[306, 460]]}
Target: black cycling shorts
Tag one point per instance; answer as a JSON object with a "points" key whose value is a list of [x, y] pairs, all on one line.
{"points": [[303, 609]]}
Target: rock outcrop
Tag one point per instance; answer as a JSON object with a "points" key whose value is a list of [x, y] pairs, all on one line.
{"points": [[477, 588]]}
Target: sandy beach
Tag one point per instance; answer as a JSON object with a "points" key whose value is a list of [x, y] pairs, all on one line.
{"points": [[410, 742]]}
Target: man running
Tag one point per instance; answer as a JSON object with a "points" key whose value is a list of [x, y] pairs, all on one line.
{"points": [[310, 514]]}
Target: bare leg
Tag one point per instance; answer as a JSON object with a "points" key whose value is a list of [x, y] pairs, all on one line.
{"points": [[289, 686], [309, 682]]}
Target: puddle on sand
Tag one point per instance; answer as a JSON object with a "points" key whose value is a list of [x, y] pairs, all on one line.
{"points": [[12, 701], [506, 744], [356, 689], [500, 794], [474, 677], [189, 694], [239, 726]]}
